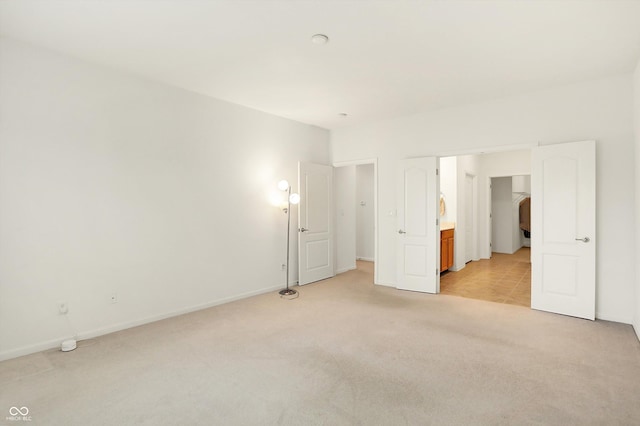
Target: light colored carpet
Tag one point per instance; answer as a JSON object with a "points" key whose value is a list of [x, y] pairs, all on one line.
{"points": [[345, 352]]}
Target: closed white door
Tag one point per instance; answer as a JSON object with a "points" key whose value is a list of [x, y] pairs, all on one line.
{"points": [[315, 222], [418, 233], [563, 229]]}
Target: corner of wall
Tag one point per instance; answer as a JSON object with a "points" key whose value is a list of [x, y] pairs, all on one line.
{"points": [[113, 216]]}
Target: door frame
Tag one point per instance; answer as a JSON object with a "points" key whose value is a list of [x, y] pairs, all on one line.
{"points": [[488, 248], [373, 161], [473, 244], [487, 183], [483, 251]]}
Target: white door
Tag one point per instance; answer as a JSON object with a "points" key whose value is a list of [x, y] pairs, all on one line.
{"points": [[418, 247], [315, 222], [563, 229]]}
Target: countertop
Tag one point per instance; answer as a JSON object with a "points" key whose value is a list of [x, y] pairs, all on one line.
{"points": [[445, 226]]}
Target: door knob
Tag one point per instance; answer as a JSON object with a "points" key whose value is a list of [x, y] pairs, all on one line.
{"points": [[584, 240], [303, 229], [401, 231]]}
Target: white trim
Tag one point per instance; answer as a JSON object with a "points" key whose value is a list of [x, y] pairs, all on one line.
{"points": [[373, 161], [347, 269], [38, 347], [475, 256], [488, 150], [55, 343], [613, 318], [366, 259], [356, 162]]}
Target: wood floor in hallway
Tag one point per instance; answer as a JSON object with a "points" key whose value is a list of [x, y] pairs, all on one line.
{"points": [[505, 278]]}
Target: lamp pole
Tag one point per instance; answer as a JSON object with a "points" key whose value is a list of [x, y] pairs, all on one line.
{"points": [[287, 291]]}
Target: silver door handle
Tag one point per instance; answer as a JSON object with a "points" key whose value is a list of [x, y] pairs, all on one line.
{"points": [[401, 231], [584, 240], [303, 230]]}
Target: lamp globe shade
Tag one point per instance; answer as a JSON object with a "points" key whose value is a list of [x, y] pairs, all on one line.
{"points": [[283, 185]]}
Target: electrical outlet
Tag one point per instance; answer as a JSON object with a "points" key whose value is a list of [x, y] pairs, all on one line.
{"points": [[114, 298], [63, 308], [284, 266]]}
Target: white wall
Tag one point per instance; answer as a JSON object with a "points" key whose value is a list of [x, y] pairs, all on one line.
{"points": [[344, 187], [113, 184], [522, 184], [449, 188], [497, 164], [507, 163], [467, 165], [365, 226], [600, 110], [636, 116], [502, 219]]}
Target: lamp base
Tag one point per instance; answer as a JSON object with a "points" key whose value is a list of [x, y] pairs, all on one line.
{"points": [[288, 293]]}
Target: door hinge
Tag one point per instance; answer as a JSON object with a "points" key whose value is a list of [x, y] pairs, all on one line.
{"points": [[437, 271], [437, 222], [437, 172]]}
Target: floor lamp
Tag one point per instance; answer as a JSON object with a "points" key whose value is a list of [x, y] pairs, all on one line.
{"points": [[294, 198]]}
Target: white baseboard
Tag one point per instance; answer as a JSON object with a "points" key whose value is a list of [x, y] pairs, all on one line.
{"points": [[30, 349], [89, 334], [613, 318], [366, 259], [456, 268], [636, 327], [347, 269]]}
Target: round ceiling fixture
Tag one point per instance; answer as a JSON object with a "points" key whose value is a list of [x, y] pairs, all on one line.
{"points": [[319, 39]]}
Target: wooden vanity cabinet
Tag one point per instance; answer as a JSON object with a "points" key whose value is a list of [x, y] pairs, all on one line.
{"points": [[446, 249]]}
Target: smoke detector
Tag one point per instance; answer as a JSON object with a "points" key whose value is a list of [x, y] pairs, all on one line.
{"points": [[319, 39]]}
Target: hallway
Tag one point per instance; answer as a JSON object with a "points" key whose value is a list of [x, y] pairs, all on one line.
{"points": [[505, 278]]}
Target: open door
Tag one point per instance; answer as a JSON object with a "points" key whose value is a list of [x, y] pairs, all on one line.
{"points": [[563, 229], [315, 221], [418, 239]]}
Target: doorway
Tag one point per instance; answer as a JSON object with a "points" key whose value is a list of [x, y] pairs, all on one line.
{"points": [[355, 195], [563, 187], [481, 270], [510, 213], [365, 215]]}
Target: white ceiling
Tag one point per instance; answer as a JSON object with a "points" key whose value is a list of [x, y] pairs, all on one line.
{"points": [[384, 59]]}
